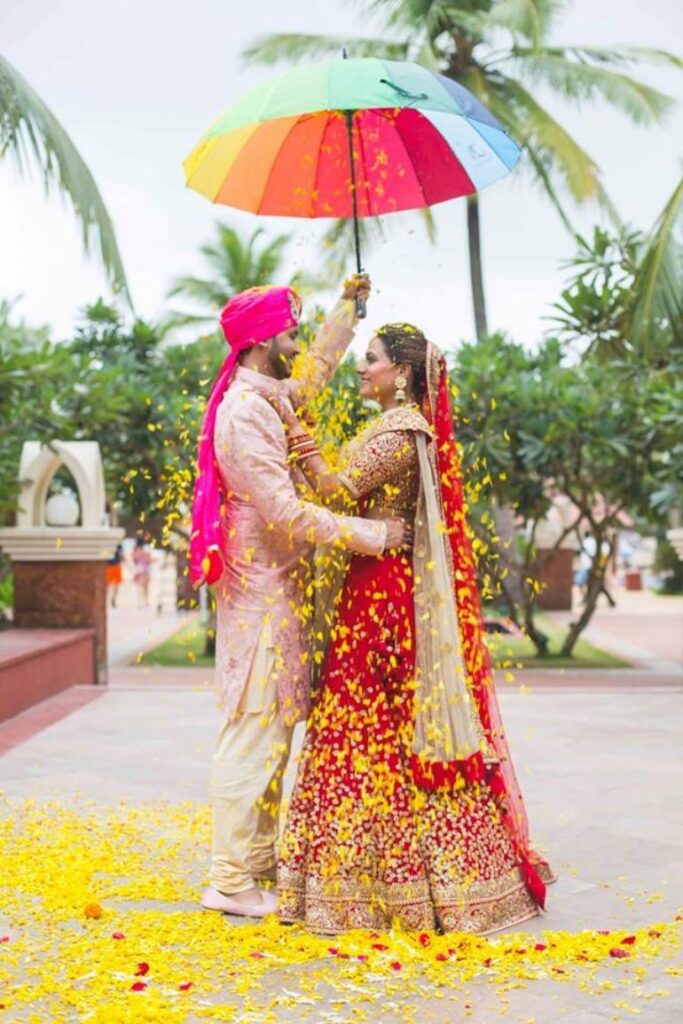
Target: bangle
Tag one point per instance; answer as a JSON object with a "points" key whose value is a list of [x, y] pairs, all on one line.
{"points": [[304, 452], [298, 440]]}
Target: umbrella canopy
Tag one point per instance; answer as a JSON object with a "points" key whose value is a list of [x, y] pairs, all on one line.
{"points": [[358, 137]]}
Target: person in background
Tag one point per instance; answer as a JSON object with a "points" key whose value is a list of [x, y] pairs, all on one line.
{"points": [[115, 574], [142, 570]]}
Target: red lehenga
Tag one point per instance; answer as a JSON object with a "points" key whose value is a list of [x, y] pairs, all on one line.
{"points": [[382, 823]]}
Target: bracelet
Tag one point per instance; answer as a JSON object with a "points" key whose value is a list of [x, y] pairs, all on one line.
{"points": [[298, 440], [304, 452]]}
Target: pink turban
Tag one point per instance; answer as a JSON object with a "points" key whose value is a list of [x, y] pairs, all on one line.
{"points": [[252, 317]]}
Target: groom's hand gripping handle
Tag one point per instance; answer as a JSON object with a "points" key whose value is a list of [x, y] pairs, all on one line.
{"points": [[358, 289]]}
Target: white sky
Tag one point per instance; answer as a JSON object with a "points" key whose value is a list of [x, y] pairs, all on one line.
{"points": [[136, 82]]}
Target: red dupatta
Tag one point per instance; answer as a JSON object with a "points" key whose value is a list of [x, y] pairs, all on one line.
{"points": [[500, 776]]}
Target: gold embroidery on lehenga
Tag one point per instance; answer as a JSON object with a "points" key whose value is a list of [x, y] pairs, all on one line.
{"points": [[363, 844]]}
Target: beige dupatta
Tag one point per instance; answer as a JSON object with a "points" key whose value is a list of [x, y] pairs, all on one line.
{"points": [[447, 726]]}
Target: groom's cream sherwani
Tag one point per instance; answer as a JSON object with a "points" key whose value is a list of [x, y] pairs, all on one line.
{"points": [[262, 664]]}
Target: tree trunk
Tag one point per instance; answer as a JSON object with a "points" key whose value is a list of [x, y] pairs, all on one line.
{"points": [[577, 628], [538, 639], [476, 269], [596, 582]]}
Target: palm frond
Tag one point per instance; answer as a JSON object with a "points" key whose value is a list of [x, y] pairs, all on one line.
{"points": [[617, 56], [542, 172], [175, 320], [32, 135], [207, 292], [573, 78], [275, 49], [530, 124], [529, 19], [658, 283], [433, 17], [234, 264]]}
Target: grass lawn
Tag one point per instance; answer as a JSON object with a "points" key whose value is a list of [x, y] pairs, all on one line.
{"points": [[186, 647], [519, 652]]}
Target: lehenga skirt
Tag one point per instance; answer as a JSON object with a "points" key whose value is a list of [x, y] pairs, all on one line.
{"points": [[363, 844]]}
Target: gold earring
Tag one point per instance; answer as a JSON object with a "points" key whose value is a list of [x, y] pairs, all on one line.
{"points": [[400, 384]]}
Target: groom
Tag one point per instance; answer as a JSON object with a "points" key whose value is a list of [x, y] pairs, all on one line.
{"points": [[252, 537]]}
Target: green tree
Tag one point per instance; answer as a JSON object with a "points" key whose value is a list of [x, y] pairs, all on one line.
{"points": [[500, 51], [549, 428], [31, 134], [141, 399]]}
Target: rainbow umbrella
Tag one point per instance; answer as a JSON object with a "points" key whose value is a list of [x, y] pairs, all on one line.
{"points": [[357, 137]]}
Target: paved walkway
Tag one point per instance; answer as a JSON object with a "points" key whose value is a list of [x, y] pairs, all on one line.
{"points": [[600, 760], [602, 773]]}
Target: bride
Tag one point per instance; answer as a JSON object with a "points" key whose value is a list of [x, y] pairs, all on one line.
{"points": [[406, 803]]}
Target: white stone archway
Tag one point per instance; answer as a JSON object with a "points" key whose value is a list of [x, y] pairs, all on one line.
{"points": [[32, 539]]}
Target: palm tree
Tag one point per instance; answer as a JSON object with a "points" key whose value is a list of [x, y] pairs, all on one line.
{"points": [[31, 134], [234, 264], [499, 50]]}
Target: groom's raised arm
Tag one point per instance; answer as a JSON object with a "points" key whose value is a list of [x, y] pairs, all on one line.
{"points": [[319, 363]]}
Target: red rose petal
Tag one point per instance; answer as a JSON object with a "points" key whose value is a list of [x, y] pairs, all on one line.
{"points": [[618, 953], [333, 951], [185, 986], [395, 965], [423, 939], [378, 945], [441, 957], [142, 970], [117, 935], [138, 986], [605, 932], [629, 940], [362, 959], [540, 947], [256, 955]]}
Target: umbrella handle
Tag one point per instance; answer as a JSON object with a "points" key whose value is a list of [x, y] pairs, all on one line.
{"points": [[361, 308]]}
